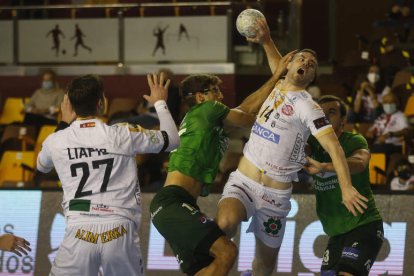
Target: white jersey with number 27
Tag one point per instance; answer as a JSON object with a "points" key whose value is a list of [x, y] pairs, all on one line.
{"points": [[97, 168]]}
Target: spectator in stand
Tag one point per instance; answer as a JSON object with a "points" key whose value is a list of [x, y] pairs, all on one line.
{"points": [[43, 107], [404, 177], [389, 129], [366, 106]]}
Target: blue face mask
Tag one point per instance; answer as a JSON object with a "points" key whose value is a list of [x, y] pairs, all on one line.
{"points": [[47, 85]]}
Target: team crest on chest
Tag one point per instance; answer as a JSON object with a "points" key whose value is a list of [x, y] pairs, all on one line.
{"points": [[287, 110]]}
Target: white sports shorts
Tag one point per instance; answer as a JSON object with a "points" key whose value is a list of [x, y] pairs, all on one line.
{"points": [[112, 245], [268, 207]]}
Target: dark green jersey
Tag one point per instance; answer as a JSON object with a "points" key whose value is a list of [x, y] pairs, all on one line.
{"points": [[334, 216], [202, 142]]}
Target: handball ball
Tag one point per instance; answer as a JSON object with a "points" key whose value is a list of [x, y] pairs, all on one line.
{"points": [[246, 22]]}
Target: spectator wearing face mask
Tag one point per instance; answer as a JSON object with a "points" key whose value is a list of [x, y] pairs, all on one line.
{"points": [[43, 107], [366, 106], [388, 129], [404, 177]]}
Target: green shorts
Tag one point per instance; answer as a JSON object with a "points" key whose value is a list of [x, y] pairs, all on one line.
{"points": [[353, 252], [175, 214]]}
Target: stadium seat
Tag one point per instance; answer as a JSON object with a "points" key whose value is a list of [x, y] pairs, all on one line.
{"points": [[43, 133], [12, 111], [11, 169], [18, 138], [401, 78], [409, 107], [377, 169]]}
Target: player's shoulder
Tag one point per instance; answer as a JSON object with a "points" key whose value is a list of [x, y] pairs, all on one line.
{"points": [[304, 102], [354, 138]]}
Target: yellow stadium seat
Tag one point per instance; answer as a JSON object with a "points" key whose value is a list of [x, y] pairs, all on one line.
{"points": [[409, 107], [45, 131], [12, 111], [376, 162], [11, 169]]}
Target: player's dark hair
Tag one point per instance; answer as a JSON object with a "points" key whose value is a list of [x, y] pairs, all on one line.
{"points": [[332, 98], [84, 94], [196, 83]]}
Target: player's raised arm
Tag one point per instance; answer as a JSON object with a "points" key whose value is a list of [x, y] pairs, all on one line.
{"points": [[351, 198], [158, 96]]}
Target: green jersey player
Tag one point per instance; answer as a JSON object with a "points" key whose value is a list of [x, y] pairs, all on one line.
{"points": [[354, 241], [199, 245]]}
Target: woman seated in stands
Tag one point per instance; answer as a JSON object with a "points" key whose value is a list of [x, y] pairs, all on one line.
{"points": [[43, 107]]}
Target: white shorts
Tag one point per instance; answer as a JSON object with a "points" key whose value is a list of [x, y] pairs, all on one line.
{"points": [[268, 207], [112, 245]]}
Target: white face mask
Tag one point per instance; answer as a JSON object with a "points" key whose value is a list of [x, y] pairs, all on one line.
{"points": [[389, 108], [373, 77]]}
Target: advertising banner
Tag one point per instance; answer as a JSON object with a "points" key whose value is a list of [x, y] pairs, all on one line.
{"points": [[40, 221]]}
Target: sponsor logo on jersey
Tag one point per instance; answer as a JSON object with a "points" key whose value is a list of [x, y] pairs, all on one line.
{"points": [[270, 200], [102, 208], [272, 226], [321, 122], [105, 237], [265, 133], [350, 253], [87, 124], [298, 153], [156, 212], [326, 185], [287, 110]]}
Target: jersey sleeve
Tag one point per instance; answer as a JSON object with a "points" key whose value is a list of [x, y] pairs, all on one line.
{"points": [[357, 142], [140, 140], [216, 111], [44, 158], [312, 116]]}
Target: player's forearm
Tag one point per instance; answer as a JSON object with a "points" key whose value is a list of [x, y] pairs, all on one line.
{"points": [[272, 54], [255, 100], [355, 165], [340, 165], [167, 124]]}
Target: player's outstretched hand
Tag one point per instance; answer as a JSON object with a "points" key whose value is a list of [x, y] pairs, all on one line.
{"points": [[68, 114], [12, 243], [354, 201], [283, 63], [158, 87], [262, 32]]}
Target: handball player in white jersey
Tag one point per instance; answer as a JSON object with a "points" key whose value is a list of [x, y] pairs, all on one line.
{"points": [[96, 166], [261, 187]]}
